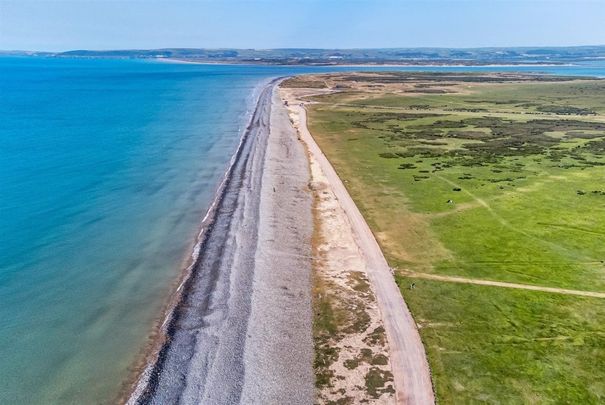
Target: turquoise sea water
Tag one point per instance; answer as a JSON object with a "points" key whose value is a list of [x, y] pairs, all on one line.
{"points": [[106, 169]]}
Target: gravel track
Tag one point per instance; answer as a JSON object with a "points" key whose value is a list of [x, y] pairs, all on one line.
{"points": [[410, 367]]}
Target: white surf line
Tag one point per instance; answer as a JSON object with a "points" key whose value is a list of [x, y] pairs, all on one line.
{"points": [[411, 373], [464, 280]]}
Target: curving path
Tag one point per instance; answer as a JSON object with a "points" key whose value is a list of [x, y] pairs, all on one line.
{"points": [[410, 367], [464, 280]]}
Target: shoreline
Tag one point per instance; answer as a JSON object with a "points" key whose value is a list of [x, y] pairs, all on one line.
{"points": [[208, 336], [160, 333]]}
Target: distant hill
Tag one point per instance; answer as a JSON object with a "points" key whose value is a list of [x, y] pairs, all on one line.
{"points": [[413, 56]]}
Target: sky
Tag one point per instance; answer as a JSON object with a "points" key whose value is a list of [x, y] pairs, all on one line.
{"points": [[48, 25]]}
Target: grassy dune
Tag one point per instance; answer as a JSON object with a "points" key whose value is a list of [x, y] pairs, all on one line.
{"points": [[492, 179]]}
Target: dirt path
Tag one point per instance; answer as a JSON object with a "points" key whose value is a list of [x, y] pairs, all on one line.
{"points": [[560, 248], [463, 280], [409, 364]]}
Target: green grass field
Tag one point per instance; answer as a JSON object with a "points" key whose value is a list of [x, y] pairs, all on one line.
{"points": [[503, 182]]}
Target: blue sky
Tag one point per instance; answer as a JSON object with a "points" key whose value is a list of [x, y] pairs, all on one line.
{"points": [[111, 24]]}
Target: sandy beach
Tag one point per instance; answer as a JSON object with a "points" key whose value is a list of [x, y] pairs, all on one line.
{"points": [[241, 330]]}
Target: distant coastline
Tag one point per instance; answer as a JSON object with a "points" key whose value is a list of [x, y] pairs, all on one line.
{"points": [[369, 64], [424, 64], [420, 57], [390, 64]]}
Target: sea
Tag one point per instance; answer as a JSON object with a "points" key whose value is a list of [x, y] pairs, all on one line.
{"points": [[107, 168]]}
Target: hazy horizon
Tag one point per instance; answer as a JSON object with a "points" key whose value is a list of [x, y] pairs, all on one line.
{"points": [[270, 24], [309, 48]]}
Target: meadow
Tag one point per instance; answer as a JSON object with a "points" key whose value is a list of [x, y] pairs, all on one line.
{"points": [[495, 177]]}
